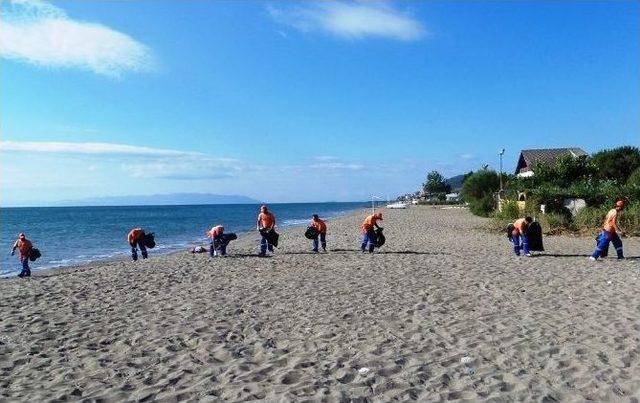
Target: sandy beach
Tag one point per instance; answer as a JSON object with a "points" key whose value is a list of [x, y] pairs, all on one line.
{"points": [[442, 312]]}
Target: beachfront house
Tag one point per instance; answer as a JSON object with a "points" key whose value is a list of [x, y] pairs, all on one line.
{"points": [[530, 158]]}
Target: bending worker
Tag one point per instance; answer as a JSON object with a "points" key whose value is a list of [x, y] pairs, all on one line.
{"points": [[321, 226], [519, 236], [136, 240], [266, 222], [218, 244], [610, 231], [24, 246], [368, 231]]}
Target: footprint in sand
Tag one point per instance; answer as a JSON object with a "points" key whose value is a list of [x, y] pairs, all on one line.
{"points": [[290, 378]]}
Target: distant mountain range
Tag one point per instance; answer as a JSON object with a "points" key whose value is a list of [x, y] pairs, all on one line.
{"points": [[456, 182], [160, 200]]}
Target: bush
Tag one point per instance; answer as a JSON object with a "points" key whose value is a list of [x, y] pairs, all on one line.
{"points": [[590, 218], [480, 184], [478, 190], [617, 164], [630, 219], [510, 210], [565, 171], [634, 178], [555, 223], [483, 207]]}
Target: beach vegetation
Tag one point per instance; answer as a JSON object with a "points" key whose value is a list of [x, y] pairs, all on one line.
{"points": [[617, 164], [479, 190], [599, 180], [510, 211], [436, 184]]}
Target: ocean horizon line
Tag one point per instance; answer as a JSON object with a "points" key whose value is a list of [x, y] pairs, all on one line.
{"points": [[182, 205]]}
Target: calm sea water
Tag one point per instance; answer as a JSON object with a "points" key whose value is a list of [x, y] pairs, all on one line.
{"points": [[73, 235]]}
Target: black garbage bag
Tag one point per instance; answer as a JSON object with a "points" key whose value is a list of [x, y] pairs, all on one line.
{"points": [[224, 239], [311, 233], [380, 238], [272, 236], [510, 228], [534, 236], [34, 254], [231, 236], [149, 240]]}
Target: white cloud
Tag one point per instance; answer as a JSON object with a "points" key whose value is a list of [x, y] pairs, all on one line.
{"points": [[88, 148], [40, 33], [337, 166], [467, 157], [351, 20], [325, 158]]}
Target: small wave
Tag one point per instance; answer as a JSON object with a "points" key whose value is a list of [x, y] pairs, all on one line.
{"points": [[294, 222]]}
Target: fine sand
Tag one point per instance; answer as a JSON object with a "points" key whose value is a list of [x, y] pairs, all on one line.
{"points": [[444, 311]]}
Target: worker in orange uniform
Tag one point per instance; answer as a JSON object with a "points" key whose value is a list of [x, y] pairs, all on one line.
{"points": [[136, 240], [519, 236], [266, 223], [368, 231], [24, 246], [218, 246], [321, 226], [610, 233]]}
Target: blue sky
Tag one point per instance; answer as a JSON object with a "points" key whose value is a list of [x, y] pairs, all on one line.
{"points": [[302, 101]]}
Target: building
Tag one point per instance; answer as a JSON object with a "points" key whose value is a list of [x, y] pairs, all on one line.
{"points": [[548, 156], [452, 197]]}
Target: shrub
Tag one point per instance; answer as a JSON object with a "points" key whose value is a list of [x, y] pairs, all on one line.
{"points": [[630, 219], [510, 210], [555, 223], [482, 207], [617, 164], [565, 171], [590, 218], [634, 178], [480, 184]]}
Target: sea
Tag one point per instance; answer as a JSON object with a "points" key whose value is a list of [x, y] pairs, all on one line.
{"points": [[68, 236]]}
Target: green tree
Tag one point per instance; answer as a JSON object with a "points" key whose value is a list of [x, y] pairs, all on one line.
{"points": [[466, 176], [479, 189], [617, 164], [634, 178], [565, 172], [436, 183]]}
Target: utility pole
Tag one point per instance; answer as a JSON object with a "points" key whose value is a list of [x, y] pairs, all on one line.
{"points": [[501, 154]]}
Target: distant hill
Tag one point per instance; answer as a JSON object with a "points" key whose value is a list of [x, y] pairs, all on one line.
{"points": [[456, 182], [161, 200]]}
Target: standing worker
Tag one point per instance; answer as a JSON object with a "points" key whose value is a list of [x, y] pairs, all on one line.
{"points": [[266, 223], [136, 238], [218, 244], [610, 231], [321, 227], [519, 236], [25, 247], [368, 231]]}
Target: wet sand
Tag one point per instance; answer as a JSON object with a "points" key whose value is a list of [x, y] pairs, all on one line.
{"points": [[442, 312]]}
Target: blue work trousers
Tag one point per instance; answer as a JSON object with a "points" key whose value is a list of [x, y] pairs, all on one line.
{"points": [[134, 250], [323, 242], [26, 271], [218, 245], [264, 245], [520, 242], [603, 244], [369, 238]]}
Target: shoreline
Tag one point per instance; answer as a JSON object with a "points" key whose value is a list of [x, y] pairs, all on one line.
{"points": [[242, 236]]}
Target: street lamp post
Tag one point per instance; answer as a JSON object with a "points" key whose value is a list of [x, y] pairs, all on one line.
{"points": [[501, 154]]}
